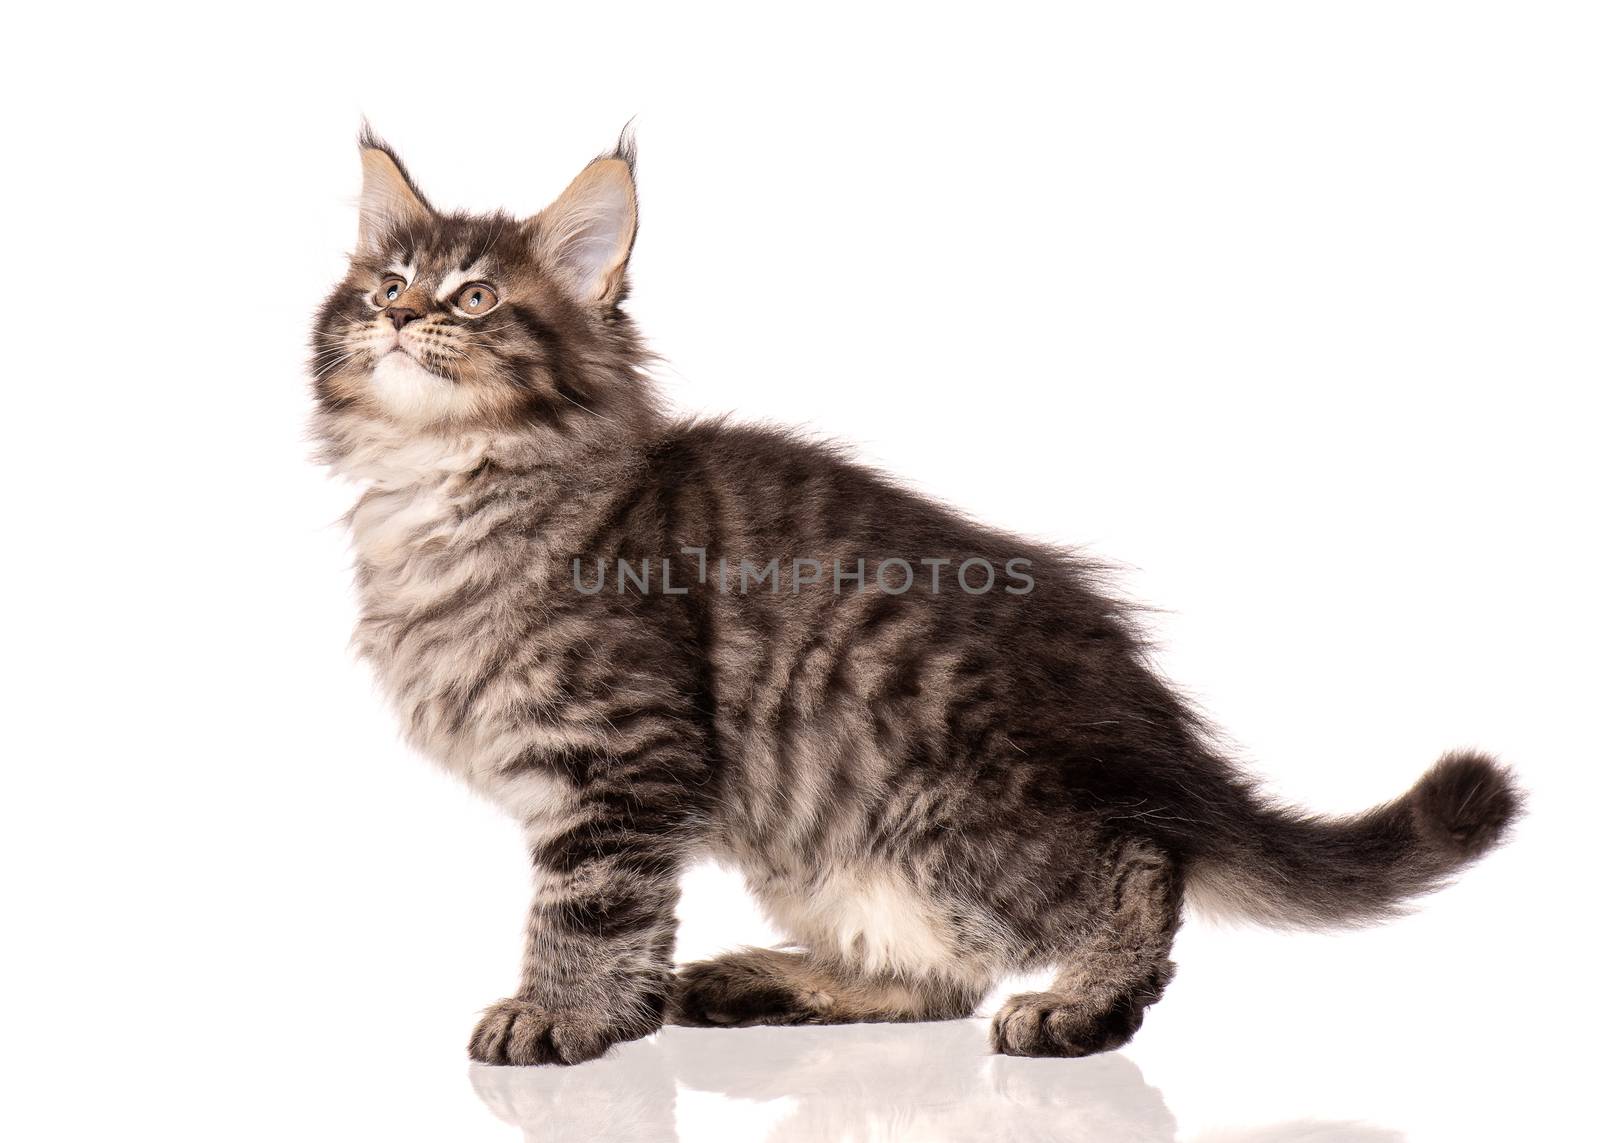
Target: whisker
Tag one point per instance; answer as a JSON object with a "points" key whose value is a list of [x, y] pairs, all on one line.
{"points": [[591, 412], [328, 367]]}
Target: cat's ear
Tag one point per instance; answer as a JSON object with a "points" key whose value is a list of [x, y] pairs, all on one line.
{"points": [[389, 199], [585, 236]]}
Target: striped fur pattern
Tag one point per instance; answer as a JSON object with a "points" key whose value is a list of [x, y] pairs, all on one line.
{"points": [[926, 787]]}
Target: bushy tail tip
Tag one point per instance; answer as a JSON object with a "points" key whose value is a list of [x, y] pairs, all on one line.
{"points": [[1304, 870], [1463, 806]]}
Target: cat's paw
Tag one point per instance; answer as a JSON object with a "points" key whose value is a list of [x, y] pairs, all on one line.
{"points": [[743, 989], [1054, 1024], [522, 1033]]}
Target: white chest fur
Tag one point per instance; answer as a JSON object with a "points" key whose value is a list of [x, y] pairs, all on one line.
{"points": [[420, 548]]}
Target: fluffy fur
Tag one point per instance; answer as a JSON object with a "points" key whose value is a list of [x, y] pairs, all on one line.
{"points": [[927, 786]]}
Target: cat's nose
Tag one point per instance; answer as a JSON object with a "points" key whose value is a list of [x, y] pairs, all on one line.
{"points": [[401, 316]]}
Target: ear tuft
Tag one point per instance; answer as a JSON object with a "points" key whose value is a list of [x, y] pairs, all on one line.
{"points": [[389, 198], [627, 149], [586, 235]]}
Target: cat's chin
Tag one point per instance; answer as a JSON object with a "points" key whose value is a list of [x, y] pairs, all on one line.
{"points": [[408, 391]]}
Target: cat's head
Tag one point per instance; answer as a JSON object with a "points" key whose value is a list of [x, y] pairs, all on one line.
{"points": [[451, 321]]}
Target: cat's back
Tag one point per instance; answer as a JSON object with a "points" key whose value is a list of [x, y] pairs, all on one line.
{"points": [[771, 482]]}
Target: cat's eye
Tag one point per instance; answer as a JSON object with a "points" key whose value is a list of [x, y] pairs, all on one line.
{"points": [[389, 289], [475, 300]]}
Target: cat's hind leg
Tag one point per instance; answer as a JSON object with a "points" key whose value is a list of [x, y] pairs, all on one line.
{"points": [[768, 986], [1112, 968]]}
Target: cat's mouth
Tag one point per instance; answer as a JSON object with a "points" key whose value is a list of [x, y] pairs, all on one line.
{"points": [[380, 351], [399, 350]]}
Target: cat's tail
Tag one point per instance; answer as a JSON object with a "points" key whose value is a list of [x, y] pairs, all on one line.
{"points": [[1282, 868]]}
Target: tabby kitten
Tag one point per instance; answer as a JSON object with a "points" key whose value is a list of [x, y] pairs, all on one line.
{"points": [[937, 752]]}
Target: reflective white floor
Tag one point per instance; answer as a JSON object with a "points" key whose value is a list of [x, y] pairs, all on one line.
{"points": [[346, 1018], [933, 1083]]}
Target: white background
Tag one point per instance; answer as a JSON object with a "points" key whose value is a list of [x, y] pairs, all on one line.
{"points": [[1289, 309]]}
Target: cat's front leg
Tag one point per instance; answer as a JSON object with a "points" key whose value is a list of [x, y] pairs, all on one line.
{"points": [[597, 963]]}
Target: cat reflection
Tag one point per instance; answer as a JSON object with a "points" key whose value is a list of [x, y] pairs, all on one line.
{"points": [[866, 1081]]}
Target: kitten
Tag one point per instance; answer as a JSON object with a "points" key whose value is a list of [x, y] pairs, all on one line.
{"points": [[937, 752]]}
